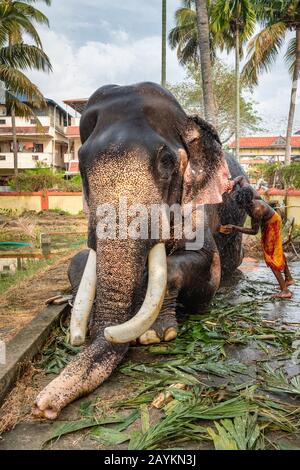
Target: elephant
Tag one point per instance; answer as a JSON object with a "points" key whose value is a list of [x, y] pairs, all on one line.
{"points": [[138, 143]]}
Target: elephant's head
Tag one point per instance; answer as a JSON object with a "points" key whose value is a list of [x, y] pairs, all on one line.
{"points": [[139, 146]]}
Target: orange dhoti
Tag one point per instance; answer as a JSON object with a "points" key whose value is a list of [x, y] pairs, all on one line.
{"points": [[272, 243]]}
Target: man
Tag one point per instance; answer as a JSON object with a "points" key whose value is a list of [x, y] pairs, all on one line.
{"points": [[265, 218]]}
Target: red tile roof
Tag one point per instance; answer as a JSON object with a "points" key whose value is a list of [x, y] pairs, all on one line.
{"points": [[73, 131], [24, 130], [265, 142]]}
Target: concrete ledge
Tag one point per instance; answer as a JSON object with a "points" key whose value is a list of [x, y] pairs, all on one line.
{"points": [[26, 344]]}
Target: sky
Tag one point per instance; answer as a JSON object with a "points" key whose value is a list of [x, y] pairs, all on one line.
{"points": [[95, 42]]}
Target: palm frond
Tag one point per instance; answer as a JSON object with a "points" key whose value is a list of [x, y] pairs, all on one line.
{"points": [[263, 50], [291, 55], [241, 433], [22, 109], [18, 84], [47, 2], [24, 56]]}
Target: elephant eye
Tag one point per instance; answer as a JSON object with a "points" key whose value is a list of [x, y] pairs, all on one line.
{"points": [[166, 163]]}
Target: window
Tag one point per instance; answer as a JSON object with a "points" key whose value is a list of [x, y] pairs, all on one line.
{"points": [[35, 158], [2, 121], [32, 121], [2, 158], [38, 148]]}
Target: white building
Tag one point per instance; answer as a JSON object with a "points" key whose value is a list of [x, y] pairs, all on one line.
{"points": [[46, 144]]}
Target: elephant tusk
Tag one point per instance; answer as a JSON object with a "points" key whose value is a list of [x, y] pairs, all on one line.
{"points": [[83, 302], [149, 311]]}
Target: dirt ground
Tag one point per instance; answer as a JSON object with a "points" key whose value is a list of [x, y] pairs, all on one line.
{"points": [[23, 302]]}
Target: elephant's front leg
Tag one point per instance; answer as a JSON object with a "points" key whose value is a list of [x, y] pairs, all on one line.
{"points": [[193, 279]]}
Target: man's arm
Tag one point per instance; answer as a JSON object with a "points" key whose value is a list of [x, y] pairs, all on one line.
{"points": [[227, 229]]}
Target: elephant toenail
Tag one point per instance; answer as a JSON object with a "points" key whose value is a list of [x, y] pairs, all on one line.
{"points": [[150, 337], [170, 334]]}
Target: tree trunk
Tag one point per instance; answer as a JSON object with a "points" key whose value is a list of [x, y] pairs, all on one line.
{"points": [[237, 77], [205, 58], [289, 133], [14, 133], [164, 44], [15, 143]]}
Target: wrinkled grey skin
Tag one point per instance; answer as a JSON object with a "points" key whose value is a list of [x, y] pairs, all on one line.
{"points": [[138, 143]]}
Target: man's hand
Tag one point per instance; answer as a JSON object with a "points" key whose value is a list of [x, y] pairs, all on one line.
{"points": [[227, 229]]}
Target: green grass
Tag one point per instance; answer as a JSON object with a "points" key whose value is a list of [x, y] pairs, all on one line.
{"points": [[32, 268]]}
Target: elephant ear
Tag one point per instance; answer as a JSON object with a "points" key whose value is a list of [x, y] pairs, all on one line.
{"points": [[206, 174]]}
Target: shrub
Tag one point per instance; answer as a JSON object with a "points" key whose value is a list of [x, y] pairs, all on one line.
{"points": [[44, 178], [278, 175]]}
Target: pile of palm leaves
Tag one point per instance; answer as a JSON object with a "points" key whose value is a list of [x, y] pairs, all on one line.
{"points": [[223, 403]]}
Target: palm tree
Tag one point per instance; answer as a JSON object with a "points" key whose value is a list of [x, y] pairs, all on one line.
{"points": [[184, 36], [164, 44], [233, 22], [15, 20], [205, 60], [278, 17]]}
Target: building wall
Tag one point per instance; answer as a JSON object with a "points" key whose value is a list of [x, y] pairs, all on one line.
{"points": [[293, 210], [54, 136], [272, 152]]}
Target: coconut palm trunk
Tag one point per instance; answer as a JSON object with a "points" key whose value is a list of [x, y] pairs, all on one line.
{"points": [[237, 77], [15, 142], [14, 133], [205, 59], [164, 44], [293, 101]]}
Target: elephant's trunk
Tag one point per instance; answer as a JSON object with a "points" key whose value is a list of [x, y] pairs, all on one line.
{"points": [[149, 311]]}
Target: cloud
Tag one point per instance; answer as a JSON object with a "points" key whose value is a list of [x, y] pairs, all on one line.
{"points": [[79, 71], [94, 42]]}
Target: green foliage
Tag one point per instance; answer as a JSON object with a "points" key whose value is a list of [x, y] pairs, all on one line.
{"points": [[189, 95], [277, 18], [242, 433], [44, 178], [233, 413], [58, 352], [32, 268], [278, 175], [18, 19]]}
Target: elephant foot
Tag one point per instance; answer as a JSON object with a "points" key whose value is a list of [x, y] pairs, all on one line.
{"points": [[83, 375], [164, 329]]}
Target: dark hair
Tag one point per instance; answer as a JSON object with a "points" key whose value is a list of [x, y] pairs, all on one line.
{"points": [[244, 197]]}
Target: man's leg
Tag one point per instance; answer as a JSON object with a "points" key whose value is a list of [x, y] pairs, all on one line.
{"points": [[285, 293], [289, 281]]}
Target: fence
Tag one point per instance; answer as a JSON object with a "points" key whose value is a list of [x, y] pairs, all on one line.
{"points": [[72, 202], [42, 200]]}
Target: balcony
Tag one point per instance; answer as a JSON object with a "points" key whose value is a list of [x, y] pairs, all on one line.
{"points": [[26, 161]]}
